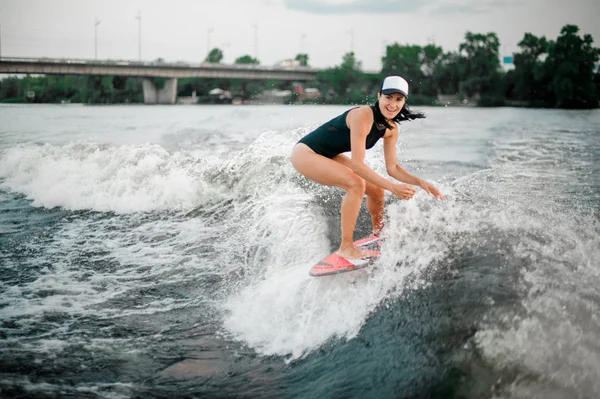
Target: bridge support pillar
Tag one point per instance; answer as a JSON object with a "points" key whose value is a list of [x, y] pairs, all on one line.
{"points": [[164, 95]]}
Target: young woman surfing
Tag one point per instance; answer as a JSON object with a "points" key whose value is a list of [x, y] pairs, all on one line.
{"points": [[319, 156]]}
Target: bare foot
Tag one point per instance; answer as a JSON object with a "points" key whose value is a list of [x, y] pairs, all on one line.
{"points": [[352, 252]]}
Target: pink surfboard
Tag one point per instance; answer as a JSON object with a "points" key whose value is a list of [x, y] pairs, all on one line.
{"points": [[334, 263]]}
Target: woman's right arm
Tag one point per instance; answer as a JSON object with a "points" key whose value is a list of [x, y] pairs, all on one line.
{"points": [[360, 121]]}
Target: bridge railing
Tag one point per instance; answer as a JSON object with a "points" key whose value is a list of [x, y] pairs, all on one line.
{"points": [[153, 64]]}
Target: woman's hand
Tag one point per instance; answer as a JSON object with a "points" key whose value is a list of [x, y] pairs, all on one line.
{"points": [[430, 188], [403, 191]]}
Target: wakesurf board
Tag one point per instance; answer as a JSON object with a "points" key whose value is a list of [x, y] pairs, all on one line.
{"points": [[335, 264]]}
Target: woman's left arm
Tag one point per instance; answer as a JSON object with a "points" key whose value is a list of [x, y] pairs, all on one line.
{"points": [[398, 172]]}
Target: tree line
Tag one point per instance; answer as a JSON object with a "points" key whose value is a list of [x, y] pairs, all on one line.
{"points": [[561, 73]]}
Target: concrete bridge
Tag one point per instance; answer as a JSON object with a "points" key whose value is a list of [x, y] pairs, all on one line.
{"points": [[148, 70]]}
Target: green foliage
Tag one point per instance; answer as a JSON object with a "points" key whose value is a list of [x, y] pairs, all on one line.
{"points": [[350, 71], [246, 89], [430, 58], [303, 58], [403, 61], [343, 84], [418, 65], [447, 74], [479, 66], [530, 83], [570, 69], [12, 100], [132, 91], [9, 88], [555, 74], [215, 56], [69, 88], [159, 82], [246, 59]]}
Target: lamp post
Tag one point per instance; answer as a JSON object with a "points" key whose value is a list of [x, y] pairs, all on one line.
{"points": [[96, 23], [0, 41], [225, 49], [351, 40], [139, 18], [302, 37], [208, 32], [255, 26]]}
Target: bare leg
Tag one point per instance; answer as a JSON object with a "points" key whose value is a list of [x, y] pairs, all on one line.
{"points": [[350, 210], [375, 205], [375, 197], [331, 173]]}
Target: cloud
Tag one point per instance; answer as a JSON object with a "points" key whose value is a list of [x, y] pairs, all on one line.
{"points": [[357, 6], [454, 8], [398, 6], [470, 6]]}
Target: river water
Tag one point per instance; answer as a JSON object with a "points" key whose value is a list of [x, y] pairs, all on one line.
{"points": [[163, 251]]}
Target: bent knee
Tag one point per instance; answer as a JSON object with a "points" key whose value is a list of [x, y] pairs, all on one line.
{"points": [[299, 155], [356, 184], [377, 194]]}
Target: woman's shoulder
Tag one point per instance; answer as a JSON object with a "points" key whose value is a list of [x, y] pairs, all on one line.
{"points": [[362, 113]]}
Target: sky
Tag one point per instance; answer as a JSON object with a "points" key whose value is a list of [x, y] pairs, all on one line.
{"points": [[274, 30]]}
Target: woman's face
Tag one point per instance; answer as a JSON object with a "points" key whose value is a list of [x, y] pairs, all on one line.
{"points": [[390, 104]]}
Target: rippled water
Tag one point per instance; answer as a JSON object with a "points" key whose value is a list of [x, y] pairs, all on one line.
{"points": [[150, 251]]}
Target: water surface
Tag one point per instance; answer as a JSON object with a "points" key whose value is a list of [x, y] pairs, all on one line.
{"points": [[163, 251]]}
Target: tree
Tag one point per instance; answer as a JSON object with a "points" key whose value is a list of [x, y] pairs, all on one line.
{"points": [[570, 67], [417, 65], [133, 91], [215, 56], [430, 58], [403, 61], [344, 83], [246, 59], [597, 82], [448, 72], [350, 68], [530, 83], [303, 58], [480, 68], [73, 88], [9, 89]]}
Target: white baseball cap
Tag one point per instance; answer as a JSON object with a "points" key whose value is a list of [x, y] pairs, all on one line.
{"points": [[395, 84]]}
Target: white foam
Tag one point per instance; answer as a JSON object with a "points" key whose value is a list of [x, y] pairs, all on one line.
{"points": [[281, 310], [130, 250], [289, 313], [113, 390], [122, 179], [552, 332], [555, 336]]}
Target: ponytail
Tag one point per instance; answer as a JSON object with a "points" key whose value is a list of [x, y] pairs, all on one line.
{"points": [[405, 114]]}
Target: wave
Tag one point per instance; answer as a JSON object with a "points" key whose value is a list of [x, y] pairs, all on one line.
{"points": [[121, 179], [247, 229], [137, 178], [535, 240]]}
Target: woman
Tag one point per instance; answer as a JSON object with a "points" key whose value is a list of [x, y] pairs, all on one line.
{"points": [[318, 156]]}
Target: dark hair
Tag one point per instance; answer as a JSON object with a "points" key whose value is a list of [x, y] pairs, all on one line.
{"points": [[405, 114]]}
